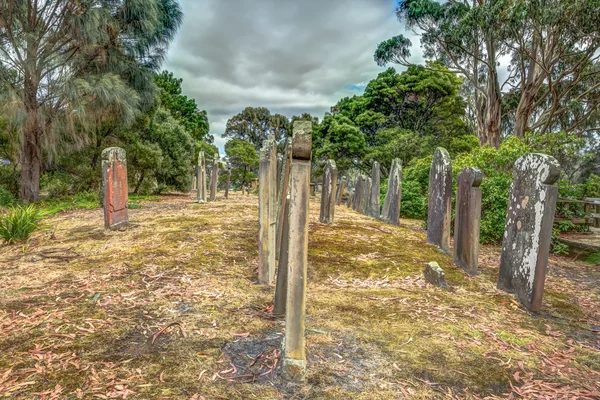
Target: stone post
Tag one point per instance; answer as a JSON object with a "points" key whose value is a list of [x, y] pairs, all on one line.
{"points": [[366, 196], [350, 200], [313, 189], [439, 209], [114, 188], [214, 178], [328, 193], [284, 185], [528, 228], [195, 179], [393, 196], [228, 182], [278, 179], [358, 194], [466, 222], [294, 353], [374, 210], [201, 179], [282, 263], [267, 195], [340, 191]]}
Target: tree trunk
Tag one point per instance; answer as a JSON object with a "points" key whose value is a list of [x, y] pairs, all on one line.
{"points": [[493, 104]]}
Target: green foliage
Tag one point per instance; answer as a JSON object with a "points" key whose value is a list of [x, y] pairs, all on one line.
{"points": [[19, 223], [414, 200], [593, 258], [255, 124], [243, 160], [6, 197], [80, 200]]}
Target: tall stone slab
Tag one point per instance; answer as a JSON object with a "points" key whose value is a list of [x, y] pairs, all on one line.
{"points": [[528, 228], [227, 182], [366, 196], [340, 190], [284, 186], [195, 179], [328, 193], [282, 263], [350, 200], [114, 188], [466, 222], [201, 179], [390, 212], [294, 353], [214, 178], [440, 200], [374, 210], [267, 206], [359, 190]]}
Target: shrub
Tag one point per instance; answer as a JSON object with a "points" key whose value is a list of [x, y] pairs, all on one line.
{"points": [[6, 197], [19, 223]]}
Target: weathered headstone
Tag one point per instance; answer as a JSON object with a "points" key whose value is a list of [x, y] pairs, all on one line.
{"points": [[114, 188], [228, 182], [328, 193], [313, 189], [294, 355], [340, 191], [390, 212], [284, 185], [366, 196], [282, 263], [358, 194], [439, 209], [528, 228], [374, 210], [195, 179], [214, 178], [267, 199], [350, 200], [201, 179], [242, 190], [435, 275], [466, 222]]}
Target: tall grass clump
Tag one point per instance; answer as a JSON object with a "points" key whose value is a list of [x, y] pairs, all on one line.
{"points": [[19, 222]]}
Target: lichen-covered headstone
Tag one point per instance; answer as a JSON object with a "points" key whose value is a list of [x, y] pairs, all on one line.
{"points": [[359, 190], [440, 200], [294, 353], [390, 212], [528, 228], [366, 196], [340, 191], [214, 178], [201, 179], [328, 193], [114, 188], [466, 223], [435, 275], [374, 210]]}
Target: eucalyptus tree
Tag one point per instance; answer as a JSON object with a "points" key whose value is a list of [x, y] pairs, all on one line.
{"points": [[68, 58], [255, 124]]}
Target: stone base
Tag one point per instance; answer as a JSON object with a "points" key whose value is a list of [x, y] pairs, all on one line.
{"points": [[293, 369], [435, 275], [118, 226]]}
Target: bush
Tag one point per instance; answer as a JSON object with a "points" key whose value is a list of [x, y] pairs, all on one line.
{"points": [[19, 223], [6, 197]]}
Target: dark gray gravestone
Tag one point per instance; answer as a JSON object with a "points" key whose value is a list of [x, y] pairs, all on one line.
{"points": [[374, 210], [466, 223], [440, 200], [328, 193], [366, 196], [282, 264], [350, 200], [340, 191], [358, 194], [528, 228], [393, 197]]}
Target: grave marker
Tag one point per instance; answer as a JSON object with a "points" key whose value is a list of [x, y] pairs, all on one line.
{"points": [[440, 200], [201, 179], [114, 188], [466, 223], [214, 178], [393, 196], [340, 191], [374, 210], [328, 193]]}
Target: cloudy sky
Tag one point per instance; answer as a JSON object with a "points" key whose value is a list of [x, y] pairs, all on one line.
{"points": [[287, 55]]}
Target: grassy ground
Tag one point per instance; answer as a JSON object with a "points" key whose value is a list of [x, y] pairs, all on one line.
{"points": [[170, 309]]}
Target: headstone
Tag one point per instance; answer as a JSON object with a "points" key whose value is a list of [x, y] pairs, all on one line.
{"points": [[214, 178], [294, 354], [374, 210], [466, 222], [390, 212], [201, 179], [242, 190], [195, 179], [528, 228], [282, 263], [313, 189], [328, 193], [439, 209], [114, 188], [358, 194], [435, 275], [366, 196], [284, 185], [350, 200], [228, 183], [267, 195], [340, 191], [278, 179]]}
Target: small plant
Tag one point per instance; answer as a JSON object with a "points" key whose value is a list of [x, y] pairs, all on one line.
{"points": [[19, 223], [593, 258], [6, 198]]}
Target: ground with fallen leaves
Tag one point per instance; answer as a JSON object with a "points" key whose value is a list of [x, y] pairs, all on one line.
{"points": [[170, 309]]}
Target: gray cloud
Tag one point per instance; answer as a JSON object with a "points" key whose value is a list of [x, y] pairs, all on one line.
{"points": [[288, 56]]}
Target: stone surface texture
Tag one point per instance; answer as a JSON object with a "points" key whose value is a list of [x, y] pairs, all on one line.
{"points": [[201, 179], [374, 209], [466, 222], [114, 188], [435, 275], [328, 193], [390, 211], [439, 210], [340, 191]]}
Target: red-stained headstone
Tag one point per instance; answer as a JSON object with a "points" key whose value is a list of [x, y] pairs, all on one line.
{"points": [[114, 188]]}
